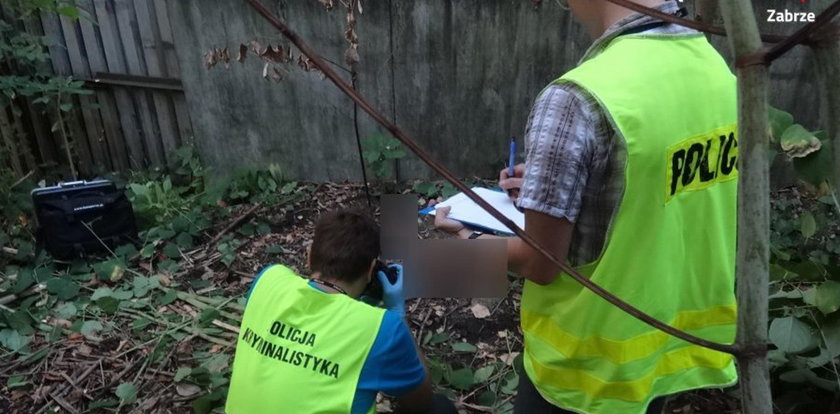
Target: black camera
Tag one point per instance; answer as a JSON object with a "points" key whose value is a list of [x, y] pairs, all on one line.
{"points": [[373, 292]]}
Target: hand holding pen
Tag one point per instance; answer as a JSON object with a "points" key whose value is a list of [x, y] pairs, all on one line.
{"points": [[512, 183], [510, 179]]}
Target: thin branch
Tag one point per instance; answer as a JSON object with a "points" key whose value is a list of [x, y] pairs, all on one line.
{"points": [[802, 35], [753, 252], [22, 179], [696, 25], [236, 222], [440, 169]]}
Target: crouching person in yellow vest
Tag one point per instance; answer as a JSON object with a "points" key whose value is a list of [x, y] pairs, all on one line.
{"points": [[310, 346], [630, 175]]}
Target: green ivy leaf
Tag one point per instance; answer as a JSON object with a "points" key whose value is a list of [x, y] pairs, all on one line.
{"points": [[263, 229], [101, 292], [66, 311], [181, 224], [437, 338], [779, 122], [288, 188], [127, 393], [831, 331], [807, 224], [815, 168], [139, 190], [126, 251], [827, 297], [90, 328], [168, 297], [64, 289], [791, 335], [141, 324], [202, 405], [108, 304], [25, 279], [780, 273], [69, 11], [21, 322], [182, 373], [217, 363], [12, 340], [171, 250], [464, 347], [448, 190], [798, 142], [437, 370], [511, 383], [462, 379], [112, 269], [487, 398], [17, 381], [141, 285], [484, 373], [426, 188]]}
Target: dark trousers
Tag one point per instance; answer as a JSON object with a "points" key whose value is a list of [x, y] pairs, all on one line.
{"points": [[529, 401], [440, 405]]}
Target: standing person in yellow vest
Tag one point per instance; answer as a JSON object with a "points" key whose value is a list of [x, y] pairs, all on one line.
{"points": [[630, 176], [310, 347]]}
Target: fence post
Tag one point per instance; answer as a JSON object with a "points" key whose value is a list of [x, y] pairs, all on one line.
{"points": [[753, 208]]}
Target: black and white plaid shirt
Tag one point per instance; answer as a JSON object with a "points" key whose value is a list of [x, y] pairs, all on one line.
{"points": [[574, 160]]}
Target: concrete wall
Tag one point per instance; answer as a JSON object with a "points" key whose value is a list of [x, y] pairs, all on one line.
{"points": [[457, 75]]}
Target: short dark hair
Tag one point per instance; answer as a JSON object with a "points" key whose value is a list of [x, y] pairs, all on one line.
{"points": [[345, 243]]}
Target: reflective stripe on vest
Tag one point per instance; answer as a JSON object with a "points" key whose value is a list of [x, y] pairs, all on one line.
{"points": [[299, 350], [671, 246]]}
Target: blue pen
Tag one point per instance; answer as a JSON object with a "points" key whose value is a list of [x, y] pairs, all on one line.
{"points": [[512, 159]]}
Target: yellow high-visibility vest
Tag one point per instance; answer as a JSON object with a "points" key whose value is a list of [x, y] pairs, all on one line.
{"points": [[299, 350], [670, 249]]}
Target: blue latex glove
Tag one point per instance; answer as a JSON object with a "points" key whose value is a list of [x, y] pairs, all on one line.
{"points": [[392, 294]]}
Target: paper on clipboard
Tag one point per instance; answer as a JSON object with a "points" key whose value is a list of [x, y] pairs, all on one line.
{"points": [[468, 212]]}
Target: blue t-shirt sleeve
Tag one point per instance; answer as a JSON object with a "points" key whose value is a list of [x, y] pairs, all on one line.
{"points": [[392, 366]]}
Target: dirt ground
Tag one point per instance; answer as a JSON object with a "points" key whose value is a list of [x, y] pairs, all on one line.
{"points": [[499, 335], [78, 370]]}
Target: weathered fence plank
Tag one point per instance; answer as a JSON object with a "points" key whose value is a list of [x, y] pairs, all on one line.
{"points": [[116, 63], [167, 44], [127, 27], [92, 120], [114, 137], [152, 54]]}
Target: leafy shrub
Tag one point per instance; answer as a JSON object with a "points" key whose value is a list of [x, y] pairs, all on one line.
{"points": [[29, 74], [258, 185], [379, 151], [805, 274]]}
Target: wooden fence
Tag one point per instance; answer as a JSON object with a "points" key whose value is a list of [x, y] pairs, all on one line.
{"points": [[137, 115], [458, 76]]}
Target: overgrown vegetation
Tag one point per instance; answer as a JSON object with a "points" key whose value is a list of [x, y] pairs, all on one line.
{"points": [[161, 318], [29, 75], [164, 315], [138, 306], [379, 152], [805, 275]]}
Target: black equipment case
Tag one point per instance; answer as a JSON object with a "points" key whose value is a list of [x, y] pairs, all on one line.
{"points": [[81, 218]]}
